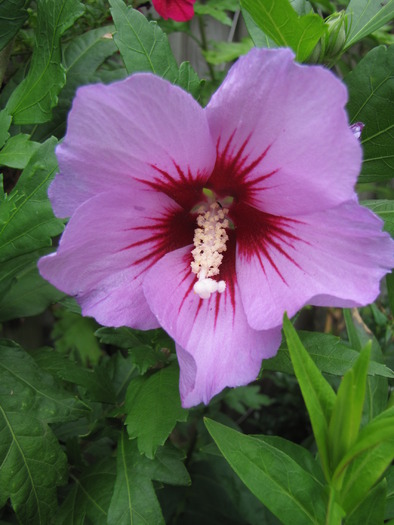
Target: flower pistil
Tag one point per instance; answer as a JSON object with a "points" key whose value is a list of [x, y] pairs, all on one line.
{"points": [[210, 242]]}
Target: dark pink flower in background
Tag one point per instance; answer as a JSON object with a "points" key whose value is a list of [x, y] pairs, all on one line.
{"points": [[211, 223], [178, 10]]}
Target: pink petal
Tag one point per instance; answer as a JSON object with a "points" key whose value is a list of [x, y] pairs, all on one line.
{"points": [[216, 346], [141, 128], [282, 134], [106, 249], [332, 258], [178, 10]]}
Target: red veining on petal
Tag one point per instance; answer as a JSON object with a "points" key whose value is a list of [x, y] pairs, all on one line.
{"points": [[185, 189], [232, 168], [263, 235], [173, 229]]}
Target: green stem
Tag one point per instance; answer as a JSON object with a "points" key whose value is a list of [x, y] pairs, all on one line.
{"points": [[204, 45], [334, 512]]}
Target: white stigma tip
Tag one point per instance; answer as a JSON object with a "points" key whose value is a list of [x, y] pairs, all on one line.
{"points": [[206, 287]]}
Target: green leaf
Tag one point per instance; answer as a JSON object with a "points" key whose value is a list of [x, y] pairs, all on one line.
{"points": [[318, 395], [245, 397], [25, 388], [144, 351], [189, 80], [227, 51], [18, 151], [27, 293], [366, 16], [371, 101], [385, 210], [33, 99], [96, 382], [390, 494], [144, 47], [5, 123], [259, 38], [12, 15], [134, 499], [153, 407], [346, 415], [27, 223], [217, 9], [75, 334], [360, 336], [278, 481], [298, 453], [142, 44], [371, 509], [32, 461], [90, 495], [82, 58], [279, 21], [32, 465], [330, 354], [366, 460]]}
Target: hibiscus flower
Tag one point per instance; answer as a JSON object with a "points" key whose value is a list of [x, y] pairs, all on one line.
{"points": [[212, 222], [178, 10]]}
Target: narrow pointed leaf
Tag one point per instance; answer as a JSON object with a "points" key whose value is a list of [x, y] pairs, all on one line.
{"points": [[360, 336], [366, 460], [279, 482], [366, 16], [346, 415], [372, 509], [318, 395]]}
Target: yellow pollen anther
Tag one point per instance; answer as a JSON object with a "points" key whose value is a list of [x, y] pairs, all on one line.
{"points": [[210, 242]]}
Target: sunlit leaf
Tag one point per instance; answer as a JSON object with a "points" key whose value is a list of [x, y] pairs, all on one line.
{"points": [[280, 22], [33, 100], [144, 47], [142, 44], [367, 16]]}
